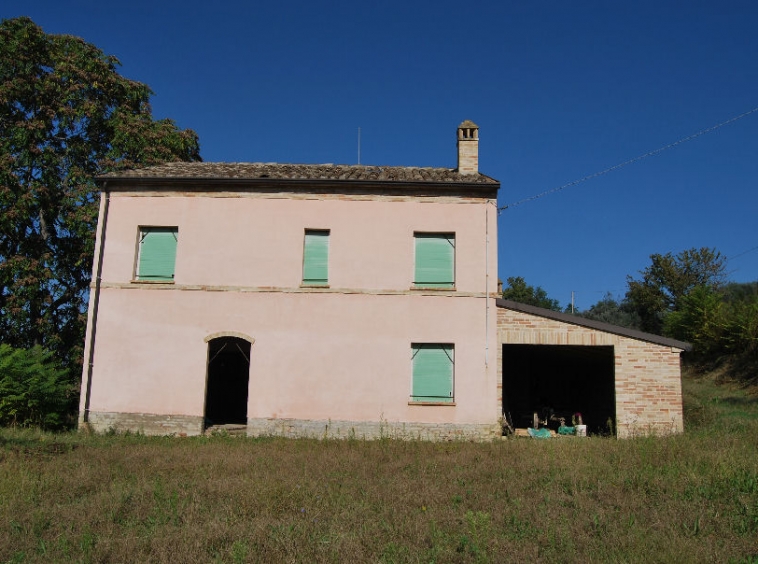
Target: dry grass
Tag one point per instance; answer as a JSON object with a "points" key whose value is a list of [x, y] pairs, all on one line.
{"points": [[690, 498]]}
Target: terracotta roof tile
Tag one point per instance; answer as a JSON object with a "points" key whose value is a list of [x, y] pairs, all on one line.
{"points": [[251, 171]]}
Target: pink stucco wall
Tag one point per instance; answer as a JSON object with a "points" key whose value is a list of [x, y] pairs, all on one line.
{"points": [[314, 356], [248, 241], [340, 353]]}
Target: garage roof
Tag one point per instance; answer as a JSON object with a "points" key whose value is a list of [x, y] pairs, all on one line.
{"points": [[592, 324]]}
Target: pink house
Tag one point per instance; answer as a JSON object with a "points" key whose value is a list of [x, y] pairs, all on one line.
{"points": [[296, 299], [329, 301]]}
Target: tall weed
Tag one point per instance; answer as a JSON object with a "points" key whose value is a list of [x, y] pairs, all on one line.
{"points": [[127, 498]]}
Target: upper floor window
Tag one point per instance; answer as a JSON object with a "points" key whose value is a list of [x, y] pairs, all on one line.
{"points": [[156, 256], [316, 257], [435, 260]]}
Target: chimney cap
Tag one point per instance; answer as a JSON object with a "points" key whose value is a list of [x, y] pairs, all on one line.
{"points": [[468, 148]]}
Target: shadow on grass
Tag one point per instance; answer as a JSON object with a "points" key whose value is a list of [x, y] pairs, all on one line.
{"points": [[740, 401]]}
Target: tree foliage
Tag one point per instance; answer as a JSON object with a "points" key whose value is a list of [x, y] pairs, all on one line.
{"points": [[66, 116], [718, 322], [698, 319], [518, 290], [613, 311], [668, 280], [33, 390], [685, 296]]}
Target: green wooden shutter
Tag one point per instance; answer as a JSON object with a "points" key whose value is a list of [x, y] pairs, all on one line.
{"points": [[316, 258], [157, 253], [432, 373], [435, 260]]}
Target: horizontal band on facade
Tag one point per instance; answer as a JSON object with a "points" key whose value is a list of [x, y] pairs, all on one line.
{"points": [[139, 285]]}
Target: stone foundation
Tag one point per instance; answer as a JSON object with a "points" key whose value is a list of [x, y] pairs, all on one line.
{"points": [[370, 430], [145, 423], [188, 425]]}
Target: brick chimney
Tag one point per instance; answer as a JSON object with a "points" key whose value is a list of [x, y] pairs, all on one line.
{"points": [[468, 148]]}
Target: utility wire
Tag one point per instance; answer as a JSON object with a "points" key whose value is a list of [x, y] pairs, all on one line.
{"points": [[742, 253], [630, 161]]}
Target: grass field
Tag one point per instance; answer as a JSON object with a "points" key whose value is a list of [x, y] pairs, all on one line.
{"points": [[129, 498]]}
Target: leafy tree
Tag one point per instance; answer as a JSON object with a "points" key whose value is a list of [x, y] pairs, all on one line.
{"points": [[33, 390], [670, 278], [740, 292], [699, 319], [718, 322], [518, 290], [615, 312], [741, 331], [66, 116]]}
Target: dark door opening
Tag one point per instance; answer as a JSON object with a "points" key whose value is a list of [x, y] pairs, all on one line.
{"points": [[228, 377], [560, 380]]}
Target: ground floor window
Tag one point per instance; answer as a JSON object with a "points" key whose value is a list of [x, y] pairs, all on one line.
{"points": [[433, 372]]}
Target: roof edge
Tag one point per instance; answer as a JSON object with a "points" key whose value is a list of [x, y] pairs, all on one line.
{"points": [[477, 189], [592, 324], [116, 178]]}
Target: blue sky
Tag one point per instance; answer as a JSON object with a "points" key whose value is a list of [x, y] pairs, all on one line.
{"points": [[560, 90]]}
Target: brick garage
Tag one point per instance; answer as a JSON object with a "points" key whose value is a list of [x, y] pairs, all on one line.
{"points": [[622, 381]]}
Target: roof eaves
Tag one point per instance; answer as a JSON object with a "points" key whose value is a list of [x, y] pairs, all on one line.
{"points": [[129, 182], [592, 324], [345, 177]]}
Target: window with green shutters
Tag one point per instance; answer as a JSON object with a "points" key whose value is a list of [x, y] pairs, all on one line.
{"points": [[157, 253], [316, 257], [433, 373], [435, 260]]}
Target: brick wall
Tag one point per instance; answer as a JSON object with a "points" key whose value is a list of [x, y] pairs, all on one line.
{"points": [[648, 375]]}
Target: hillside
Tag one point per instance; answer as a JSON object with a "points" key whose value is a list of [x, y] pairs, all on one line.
{"points": [[128, 498]]}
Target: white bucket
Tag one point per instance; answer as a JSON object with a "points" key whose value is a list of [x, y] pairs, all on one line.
{"points": [[581, 430]]}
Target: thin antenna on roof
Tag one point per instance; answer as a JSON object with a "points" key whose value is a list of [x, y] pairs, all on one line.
{"points": [[359, 145]]}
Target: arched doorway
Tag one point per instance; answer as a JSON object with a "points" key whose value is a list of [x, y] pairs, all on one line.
{"points": [[227, 383]]}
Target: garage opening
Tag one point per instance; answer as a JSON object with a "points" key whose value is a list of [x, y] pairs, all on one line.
{"points": [[228, 377], [554, 381]]}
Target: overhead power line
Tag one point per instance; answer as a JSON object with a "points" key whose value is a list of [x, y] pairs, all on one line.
{"points": [[742, 253], [630, 161]]}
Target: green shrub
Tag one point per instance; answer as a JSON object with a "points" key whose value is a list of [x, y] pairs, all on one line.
{"points": [[34, 391], [741, 327], [721, 324], [699, 320]]}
